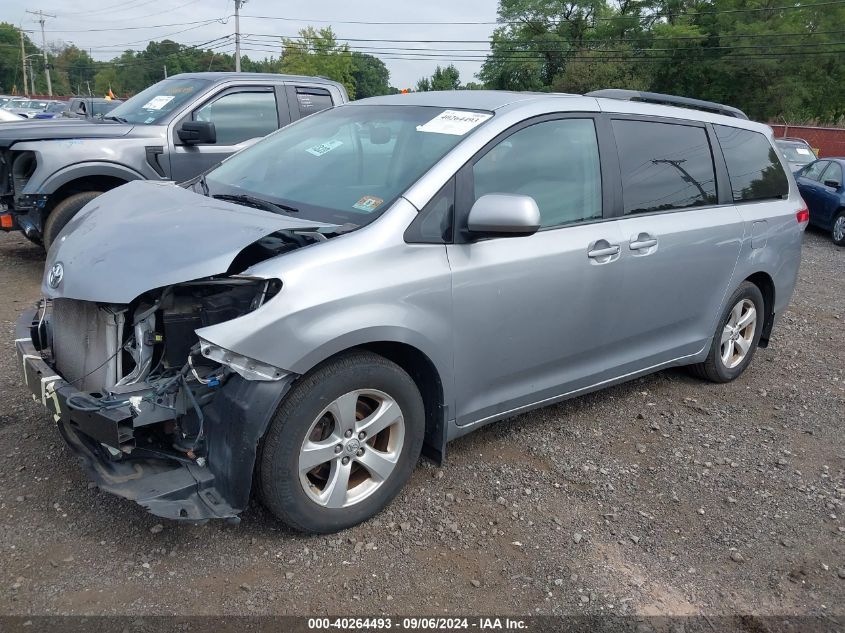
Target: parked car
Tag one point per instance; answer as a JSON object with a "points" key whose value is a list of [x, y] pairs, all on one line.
{"points": [[54, 110], [26, 107], [388, 275], [90, 107], [4, 99], [797, 152], [820, 184], [5, 116], [173, 130]]}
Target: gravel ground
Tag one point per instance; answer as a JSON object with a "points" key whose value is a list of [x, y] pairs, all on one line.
{"points": [[662, 496]]}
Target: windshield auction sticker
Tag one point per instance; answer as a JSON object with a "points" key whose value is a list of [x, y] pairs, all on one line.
{"points": [[368, 204], [157, 103], [455, 122], [324, 148]]}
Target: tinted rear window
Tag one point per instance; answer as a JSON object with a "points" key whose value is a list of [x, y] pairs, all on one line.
{"points": [[753, 165], [664, 166], [311, 100]]}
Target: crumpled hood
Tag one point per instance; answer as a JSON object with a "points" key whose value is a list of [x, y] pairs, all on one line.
{"points": [[43, 130], [145, 235]]}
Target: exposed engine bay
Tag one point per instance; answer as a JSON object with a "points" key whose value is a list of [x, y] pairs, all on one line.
{"points": [[146, 359]]}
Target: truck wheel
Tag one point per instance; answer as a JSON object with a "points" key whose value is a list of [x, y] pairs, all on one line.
{"points": [[62, 214], [342, 444]]}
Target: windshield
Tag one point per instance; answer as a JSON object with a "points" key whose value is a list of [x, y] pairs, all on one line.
{"points": [[796, 152], [104, 107], [57, 107], [344, 165], [156, 102]]}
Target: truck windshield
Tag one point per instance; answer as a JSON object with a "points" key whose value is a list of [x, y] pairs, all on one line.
{"points": [[345, 165], [156, 102]]}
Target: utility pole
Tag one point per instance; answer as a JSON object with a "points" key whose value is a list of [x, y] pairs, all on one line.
{"points": [[41, 20], [165, 71], [238, 5], [23, 64]]}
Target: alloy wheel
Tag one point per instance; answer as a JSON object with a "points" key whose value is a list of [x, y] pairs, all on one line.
{"points": [[351, 448], [738, 333], [839, 229]]}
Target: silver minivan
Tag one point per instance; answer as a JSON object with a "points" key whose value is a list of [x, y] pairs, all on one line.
{"points": [[382, 277]]}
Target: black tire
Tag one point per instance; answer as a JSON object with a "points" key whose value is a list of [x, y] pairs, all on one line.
{"points": [[713, 368], [278, 462], [62, 214], [839, 242]]}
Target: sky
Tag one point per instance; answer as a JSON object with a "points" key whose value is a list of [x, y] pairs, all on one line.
{"points": [[107, 27]]}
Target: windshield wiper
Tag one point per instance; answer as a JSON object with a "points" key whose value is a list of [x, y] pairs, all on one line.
{"points": [[258, 203], [111, 117]]}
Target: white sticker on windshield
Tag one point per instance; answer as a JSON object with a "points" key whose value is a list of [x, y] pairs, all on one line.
{"points": [[324, 148], [455, 122], [801, 150], [157, 103]]}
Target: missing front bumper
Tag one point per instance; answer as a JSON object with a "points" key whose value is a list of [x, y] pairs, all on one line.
{"points": [[236, 419]]}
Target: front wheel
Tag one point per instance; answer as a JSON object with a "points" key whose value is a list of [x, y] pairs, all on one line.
{"points": [[62, 213], [838, 231], [343, 443], [736, 337]]}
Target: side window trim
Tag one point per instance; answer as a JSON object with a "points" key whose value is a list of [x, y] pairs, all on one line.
{"points": [[464, 182], [720, 174], [724, 195]]}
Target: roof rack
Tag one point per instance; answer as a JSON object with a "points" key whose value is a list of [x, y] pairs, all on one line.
{"points": [[671, 100]]}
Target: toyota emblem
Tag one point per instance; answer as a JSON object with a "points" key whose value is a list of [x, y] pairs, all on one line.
{"points": [[54, 277]]}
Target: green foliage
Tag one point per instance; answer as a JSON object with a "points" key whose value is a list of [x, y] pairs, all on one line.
{"points": [[443, 79], [370, 76], [317, 52], [771, 63]]}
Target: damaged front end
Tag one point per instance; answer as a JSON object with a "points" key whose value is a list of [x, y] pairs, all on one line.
{"points": [[155, 415]]}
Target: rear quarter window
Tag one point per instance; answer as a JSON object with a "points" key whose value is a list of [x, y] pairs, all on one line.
{"points": [[754, 168]]}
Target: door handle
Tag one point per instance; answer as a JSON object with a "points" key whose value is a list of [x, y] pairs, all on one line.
{"points": [[642, 242], [603, 252]]}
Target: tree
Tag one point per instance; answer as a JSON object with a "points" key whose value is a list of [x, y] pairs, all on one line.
{"points": [[771, 64], [11, 73], [317, 52], [443, 79], [370, 76]]}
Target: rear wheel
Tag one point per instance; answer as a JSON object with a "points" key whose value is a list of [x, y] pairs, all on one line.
{"points": [[343, 443], [736, 336], [62, 214], [838, 231]]}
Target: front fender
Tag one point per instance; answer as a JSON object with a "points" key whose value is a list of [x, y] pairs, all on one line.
{"points": [[57, 179]]}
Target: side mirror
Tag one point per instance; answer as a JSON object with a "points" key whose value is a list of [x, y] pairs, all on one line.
{"points": [[504, 215], [192, 132], [832, 183]]}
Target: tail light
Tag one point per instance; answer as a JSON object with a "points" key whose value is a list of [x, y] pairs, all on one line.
{"points": [[803, 214]]}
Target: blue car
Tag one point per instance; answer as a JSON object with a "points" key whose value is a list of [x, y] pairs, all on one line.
{"points": [[820, 184], [53, 110]]}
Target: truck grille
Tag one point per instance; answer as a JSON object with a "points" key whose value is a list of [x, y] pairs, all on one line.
{"points": [[85, 343]]}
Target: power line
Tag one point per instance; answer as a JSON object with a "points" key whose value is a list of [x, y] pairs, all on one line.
{"points": [[650, 16], [139, 28], [645, 36]]}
